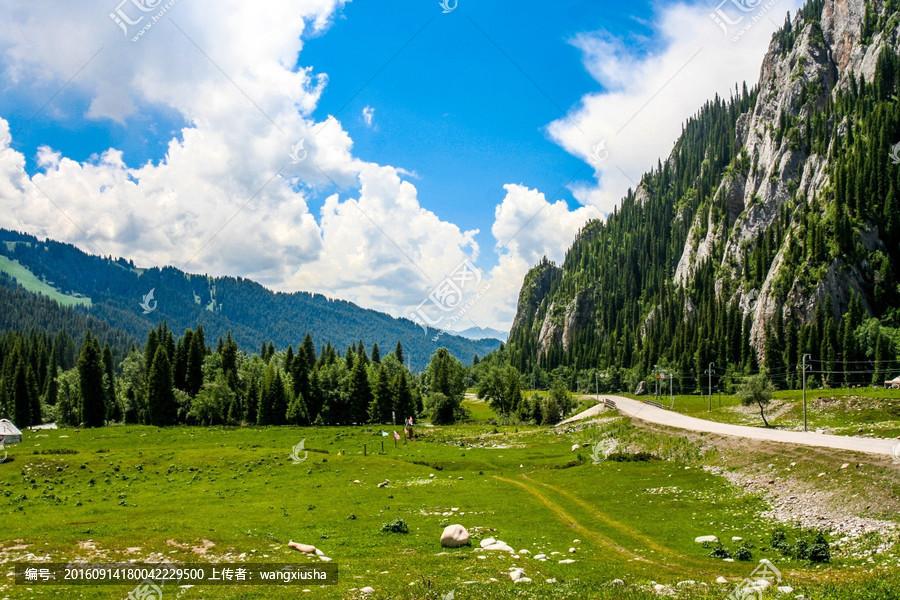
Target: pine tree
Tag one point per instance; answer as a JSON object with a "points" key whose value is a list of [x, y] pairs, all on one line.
{"points": [[382, 400], [90, 378], [405, 405], [360, 393], [196, 353], [376, 353], [51, 388], [113, 409], [23, 393], [398, 352], [162, 406]]}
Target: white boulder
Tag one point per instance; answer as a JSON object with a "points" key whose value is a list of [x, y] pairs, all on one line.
{"points": [[706, 539], [455, 536]]}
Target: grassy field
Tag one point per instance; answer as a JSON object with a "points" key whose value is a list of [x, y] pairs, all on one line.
{"points": [[27, 280], [872, 412], [214, 494]]}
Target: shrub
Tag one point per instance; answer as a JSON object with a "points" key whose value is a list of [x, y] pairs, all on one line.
{"points": [[720, 552], [820, 551], [395, 526], [743, 553]]}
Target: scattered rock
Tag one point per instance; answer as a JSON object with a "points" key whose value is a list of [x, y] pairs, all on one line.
{"points": [[304, 548], [551, 580], [686, 583], [573, 550], [540, 557], [706, 539], [566, 561], [663, 590], [487, 542], [524, 551], [721, 580], [384, 483], [454, 536], [367, 590], [498, 546], [845, 465], [575, 447], [784, 589], [737, 538], [617, 582], [516, 574]]}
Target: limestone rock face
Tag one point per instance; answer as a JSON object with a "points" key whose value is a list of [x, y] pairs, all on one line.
{"points": [[772, 173]]}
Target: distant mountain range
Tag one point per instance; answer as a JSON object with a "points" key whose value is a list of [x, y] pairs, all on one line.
{"points": [[481, 333], [134, 300]]}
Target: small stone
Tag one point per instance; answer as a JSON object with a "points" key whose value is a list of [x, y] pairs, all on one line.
{"points": [[845, 465], [551, 580], [540, 557], [487, 542], [576, 541], [573, 550], [663, 590], [367, 590], [784, 589], [304, 548], [706, 539], [737, 538], [384, 483], [575, 447], [566, 561], [617, 582], [523, 580], [524, 551], [516, 573], [721, 580]]}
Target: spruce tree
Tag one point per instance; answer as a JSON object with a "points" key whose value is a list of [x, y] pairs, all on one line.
{"points": [[90, 378], [360, 393], [113, 409], [162, 406], [382, 400]]}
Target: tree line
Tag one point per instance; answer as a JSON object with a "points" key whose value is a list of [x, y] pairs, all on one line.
{"points": [[182, 380]]}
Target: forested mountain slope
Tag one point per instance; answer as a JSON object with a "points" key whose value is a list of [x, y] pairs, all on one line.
{"points": [[252, 313], [772, 230]]}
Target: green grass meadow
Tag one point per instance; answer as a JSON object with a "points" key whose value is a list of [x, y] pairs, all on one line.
{"points": [[141, 493]]}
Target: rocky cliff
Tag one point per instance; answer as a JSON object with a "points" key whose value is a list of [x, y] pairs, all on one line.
{"points": [[784, 222]]}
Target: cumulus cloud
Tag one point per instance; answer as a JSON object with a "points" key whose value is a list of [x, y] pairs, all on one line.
{"points": [[646, 96], [231, 194], [526, 228]]}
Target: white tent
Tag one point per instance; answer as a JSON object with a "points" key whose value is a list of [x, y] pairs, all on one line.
{"points": [[893, 383], [9, 433]]}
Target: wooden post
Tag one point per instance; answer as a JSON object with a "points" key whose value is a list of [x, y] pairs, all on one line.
{"points": [[364, 449], [382, 446]]}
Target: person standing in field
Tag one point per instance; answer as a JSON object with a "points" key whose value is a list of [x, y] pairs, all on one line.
{"points": [[409, 428]]}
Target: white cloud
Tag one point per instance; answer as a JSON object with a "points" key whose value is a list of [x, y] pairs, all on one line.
{"points": [[368, 115], [526, 228], [646, 97], [227, 198]]}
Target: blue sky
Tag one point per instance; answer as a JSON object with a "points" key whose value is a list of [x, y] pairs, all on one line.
{"points": [[171, 147]]}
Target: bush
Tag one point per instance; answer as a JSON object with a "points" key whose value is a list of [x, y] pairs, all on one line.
{"points": [[395, 526], [779, 541], [630, 457], [720, 552], [820, 551], [443, 409], [743, 553]]}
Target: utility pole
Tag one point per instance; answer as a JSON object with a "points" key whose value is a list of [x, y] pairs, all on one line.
{"points": [[709, 372], [805, 367], [671, 392], [656, 377]]}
